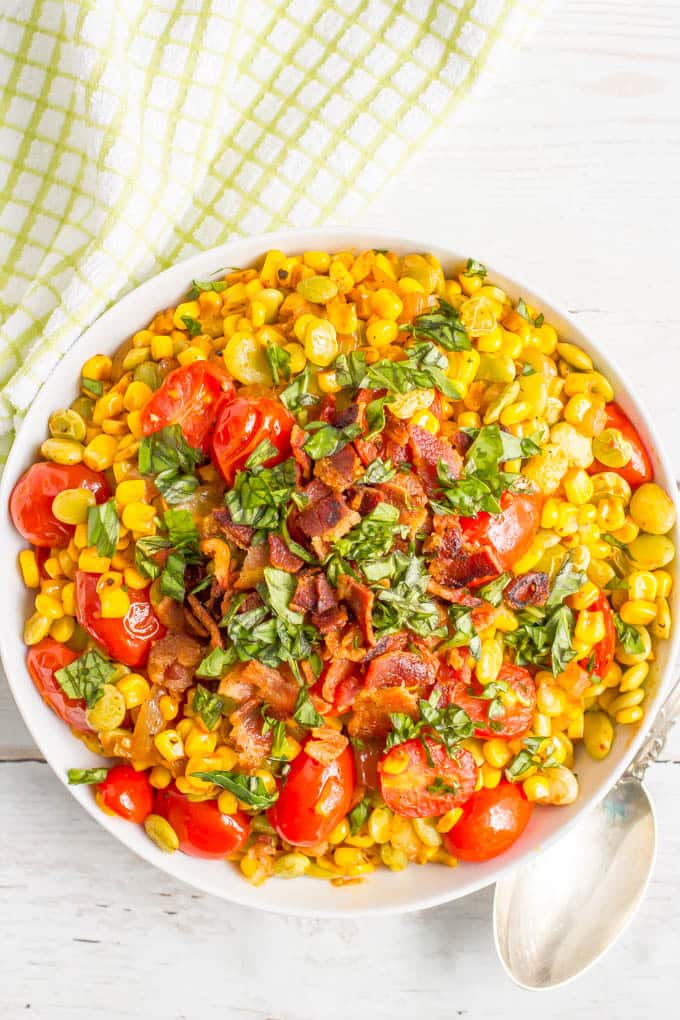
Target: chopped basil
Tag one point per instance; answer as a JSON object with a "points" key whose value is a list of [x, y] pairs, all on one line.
{"points": [[279, 362], [76, 777], [377, 471], [440, 786], [629, 636], [443, 326], [175, 488], [264, 451], [168, 457], [375, 417], [86, 677], [475, 268], [202, 285], [373, 536], [182, 531], [145, 552], [493, 591], [216, 663], [172, 577], [524, 312], [350, 369], [465, 632], [612, 540], [304, 713], [327, 439], [193, 325], [208, 705], [296, 395], [405, 604], [103, 527], [260, 495], [277, 728], [568, 580], [93, 386], [448, 725], [544, 639], [358, 816], [425, 366], [528, 369], [249, 789]]}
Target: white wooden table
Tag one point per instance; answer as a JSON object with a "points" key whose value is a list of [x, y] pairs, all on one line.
{"points": [[567, 173]]}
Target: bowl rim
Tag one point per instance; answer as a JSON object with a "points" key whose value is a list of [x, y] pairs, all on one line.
{"points": [[142, 302]]}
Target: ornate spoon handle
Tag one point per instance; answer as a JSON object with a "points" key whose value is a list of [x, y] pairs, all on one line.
{"points": [[656, 738]]}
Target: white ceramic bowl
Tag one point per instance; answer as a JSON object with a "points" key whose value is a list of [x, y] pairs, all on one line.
{"points": [[384, 891]]}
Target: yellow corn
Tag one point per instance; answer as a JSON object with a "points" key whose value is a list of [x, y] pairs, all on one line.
{"points": [[638, 611], [642, 585], [134, 688], [115, 603], [169, 709], [589, 627], [99, 453], [490, 661], [169, 745], [139, 517], [491, 776], [298, 358], [68, 599], [98, 367], [339, 833], [160, 777], [427, 832], [496, 753], [136, 396], [585, 596], [550, 700], [161, 347], [426, 420], [448, 820], [70, 506], [28, 565], [62, 629], [227, 802], [661, 628], [348, 857], [627, 716], [536, 789], [396, 762], [199, 742], [328, 382], [91, 562], [135, 580], [48, 606], [387, 304]]}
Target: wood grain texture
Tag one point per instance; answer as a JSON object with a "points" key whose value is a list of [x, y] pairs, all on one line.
{"points": [[565, 173]]}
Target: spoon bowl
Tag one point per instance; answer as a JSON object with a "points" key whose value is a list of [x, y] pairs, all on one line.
{"points": [[558, 913]]}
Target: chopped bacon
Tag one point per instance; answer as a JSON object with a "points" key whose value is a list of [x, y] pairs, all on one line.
{"points": [[298, 438], [346, 645], [466, 568], [246, 734], [336, 671], [280, 555], [252, 571], [368, 449], [278, 692], [306, 596], [447, 536], [372, 708], [406, 493], [427, 450], [240, 534], [173, 661], [340, 469], [218, 551], [394, 441], [233, 686], [206, 620], [328, 518], [389, 643], [530, 589], [325, 409], [193, 625], [404, 669], [458, 596], [360, 599], [365, 498], [171, 614], [326, 744], [326, 597], [332, 620]]}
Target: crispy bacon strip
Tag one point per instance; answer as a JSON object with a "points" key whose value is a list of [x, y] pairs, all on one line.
{"points": [[280, 555], [530, 589], [339, 470], [360, 599], [246, 734], [252, 571], [372, 708], [278, 692], [206, 620], [326, 744], [404, 669], [426, 451], [240, 534], [173, 661]]}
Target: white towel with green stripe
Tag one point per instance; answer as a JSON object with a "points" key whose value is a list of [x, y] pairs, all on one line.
{"points": [[134, 134]]}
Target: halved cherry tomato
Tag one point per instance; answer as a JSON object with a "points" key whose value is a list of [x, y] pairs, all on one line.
{"points": [[515, 720], [202, 829], [603, 652], [43, 660], [313, 799], [187, 398], [430, 783], [639, 467], [30, 504], [127, 639], [491, 822], [400, 668], [509, 533], [241, 426], [127, 793]]}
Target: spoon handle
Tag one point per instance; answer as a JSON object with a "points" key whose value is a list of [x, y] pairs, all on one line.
{"points": [[656, 738]]}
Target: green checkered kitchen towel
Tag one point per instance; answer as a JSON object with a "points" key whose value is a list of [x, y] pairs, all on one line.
{"points": [[133, 134]]}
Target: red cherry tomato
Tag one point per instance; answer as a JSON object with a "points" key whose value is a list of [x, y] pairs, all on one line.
{"points": [[516, 719], [639, 467], [127, 639], [603, 652], [491, 822], [187, 398], [314, 798], [509, 533], [422, 789], [241, 426], [43, 660], [126, 792], [30, 504], [202, 829]]}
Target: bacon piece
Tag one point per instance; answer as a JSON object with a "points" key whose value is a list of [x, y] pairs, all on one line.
{"points": [[298, 438], [218, 551], [173, 661], [389, 643], [280, 555], [326, 744], [252, 571], [206, 620], [394, 441], [325, 409], [447, 536], [233, 686], [406, 493], [332, 620], [326, 597], [457, 596], [274, 688], [427, 450], [328, 518], [360, 599], [345, 645], [404, 669], [364, 498], [371, 711], [171, 614], [306, 597], [340, 469], [246, 734], [336, 671], [530, 589], [466, 568], [240, 534]]}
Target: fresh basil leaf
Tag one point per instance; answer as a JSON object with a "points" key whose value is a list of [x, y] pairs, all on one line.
{"points": [[524, 312], [528, 369], [77, 777], [295, 547], [93, 386], [304, 713], [358, 816], [375, 417], [465, 632], [373, 536], [629, 636], [406, 604], [377, 471], [493, 591], [167, 450], [279, 362], [193, 325], [216, 663], [443, 326], [249, 789], [264, 451], [208, 706], [403, 729], [172, 577], [85, 677], [612, 540], [145, 551], [568, 580], [260, 496], [440, 786], [327, 439], [350, 369], [103, 527], [173, 487], [281, 588], [475, 268], [197, 286], [296, 395], [182, 531], [520, 764]]}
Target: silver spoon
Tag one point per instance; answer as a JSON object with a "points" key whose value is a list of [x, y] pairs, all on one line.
{"points": [[556, 915]]}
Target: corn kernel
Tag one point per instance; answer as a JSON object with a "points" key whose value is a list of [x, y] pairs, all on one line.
{"points": [[160, 777], [490, 661], [48, 606], [496, 753], [115, 603], [328, 382], [227, 802], [98, 367], [134, 688], [381, 332], [91, 562], [139, 517], [448, 820], [396, 762], [169, 745], [639, 612], [628, 716], [536, 789], [28, 565], [169, 708], [198, 742], [491, 776], [99, 453], [161, 347], [62, 629], [426, 420]]}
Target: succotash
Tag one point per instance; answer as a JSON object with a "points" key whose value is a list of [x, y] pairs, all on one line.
{"points": [[338, 560]]}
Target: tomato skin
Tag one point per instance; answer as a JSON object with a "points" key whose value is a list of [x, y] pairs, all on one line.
{"points": [[30, 504], [43, 660], [604, 650], [241, 426], [202, 829], [517, 719], [407, 793], [510, 533], [187, 397], [293, 816], [491, 822], [127, 793], [639, 467], [129, 639]]}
